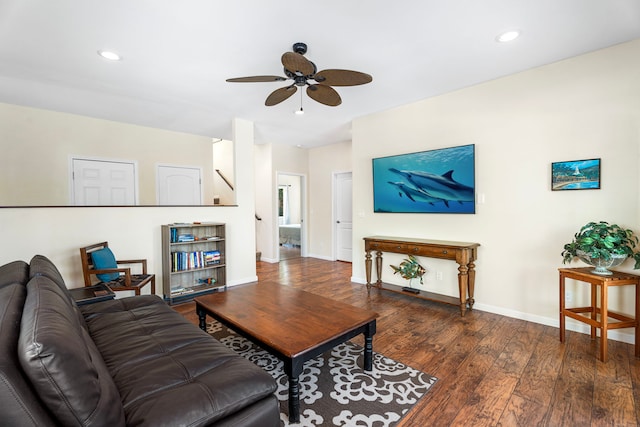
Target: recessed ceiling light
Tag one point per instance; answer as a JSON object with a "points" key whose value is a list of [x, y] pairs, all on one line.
{"points": [[111, 56], [508, 36]]}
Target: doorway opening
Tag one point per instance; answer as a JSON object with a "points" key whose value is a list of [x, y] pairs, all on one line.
{"points": [[290, 219]]}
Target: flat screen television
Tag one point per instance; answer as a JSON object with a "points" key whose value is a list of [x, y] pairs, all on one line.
{"points": [[434, 181]]}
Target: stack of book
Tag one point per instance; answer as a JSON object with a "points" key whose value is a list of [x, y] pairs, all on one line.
{"points": [[181, 237]]}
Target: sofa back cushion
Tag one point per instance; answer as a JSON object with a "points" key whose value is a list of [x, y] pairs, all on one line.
{"points": [[19, 403], [14, 272], [62, 362], [40, 265]]}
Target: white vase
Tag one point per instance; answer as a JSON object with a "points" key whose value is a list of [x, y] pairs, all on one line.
{"points": [[602, 265]]}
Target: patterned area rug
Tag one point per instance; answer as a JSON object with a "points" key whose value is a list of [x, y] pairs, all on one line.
{"points": [[334, 389]]}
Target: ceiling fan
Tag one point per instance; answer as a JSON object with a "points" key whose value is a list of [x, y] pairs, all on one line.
{"points": [[301, 71]]}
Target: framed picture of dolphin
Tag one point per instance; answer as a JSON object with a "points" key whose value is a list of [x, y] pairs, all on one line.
{"points": [[434, 181]]}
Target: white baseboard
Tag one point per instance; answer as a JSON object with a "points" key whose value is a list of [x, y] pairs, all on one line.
{"points": [[571, 325], [242, 281], [323, 257]]}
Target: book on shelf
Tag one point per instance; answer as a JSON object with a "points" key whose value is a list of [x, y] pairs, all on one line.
{"points": [[211, 257], [182, 261], [186, 238]]}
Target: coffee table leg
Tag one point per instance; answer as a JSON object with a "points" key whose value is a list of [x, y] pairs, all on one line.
{"points": [[294, 400], [369, 332], [202, 317], [293, 369]]}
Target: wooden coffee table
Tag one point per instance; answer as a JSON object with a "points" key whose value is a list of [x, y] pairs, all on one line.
{"points": [[291, 324]]}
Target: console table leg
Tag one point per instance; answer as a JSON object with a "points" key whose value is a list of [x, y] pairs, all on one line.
{"points": [[472, 284], [367, 268], [379, 268], [463, 283]]}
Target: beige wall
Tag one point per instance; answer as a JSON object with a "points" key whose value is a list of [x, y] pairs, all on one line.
{"points": [[584, 107], [37, 145], [270, 161], [224, 159], [265, 187], [324, 162], [133, 232]]}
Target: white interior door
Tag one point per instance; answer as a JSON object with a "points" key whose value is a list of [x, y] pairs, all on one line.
{"points": [[343, 217], [103, 183], [178, 185]]}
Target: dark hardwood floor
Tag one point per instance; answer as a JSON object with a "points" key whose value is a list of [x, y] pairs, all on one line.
{"points": [[492, 370]]}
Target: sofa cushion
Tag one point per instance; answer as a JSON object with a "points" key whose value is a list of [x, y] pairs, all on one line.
{"points": [[61, 361], [183, 366], [104, 259], [40, 265], [14, 272], [19, 403]]}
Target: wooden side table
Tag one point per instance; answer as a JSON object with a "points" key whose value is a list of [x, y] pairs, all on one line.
{"points": [[598, 316], [92, 294]]}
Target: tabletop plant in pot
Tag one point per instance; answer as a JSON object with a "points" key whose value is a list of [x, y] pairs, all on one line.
{"points": [[603, 246], [410, 269]]}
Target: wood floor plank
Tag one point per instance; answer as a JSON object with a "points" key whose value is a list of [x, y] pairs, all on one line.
{"points": [[489, 400], [540, 375], [613, 402], [522, 412], [492, 370], [572, 400]]}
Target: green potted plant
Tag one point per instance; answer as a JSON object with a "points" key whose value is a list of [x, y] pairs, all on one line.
{"points": [[602, 245], [410, 269]]}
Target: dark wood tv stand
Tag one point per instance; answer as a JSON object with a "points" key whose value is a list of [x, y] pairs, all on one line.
{"points": [[464, 253]]}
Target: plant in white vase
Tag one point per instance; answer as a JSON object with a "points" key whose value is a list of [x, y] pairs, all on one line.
{"points": [[602, 245]]}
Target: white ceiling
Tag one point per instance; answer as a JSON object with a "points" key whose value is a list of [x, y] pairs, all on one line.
{"points": [[177, 55]]}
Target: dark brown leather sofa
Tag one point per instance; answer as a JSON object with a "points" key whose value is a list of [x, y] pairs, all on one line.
{"points": [[130, 361]]}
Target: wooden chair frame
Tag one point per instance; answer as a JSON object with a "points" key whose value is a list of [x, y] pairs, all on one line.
{"points": [[127, 281]]}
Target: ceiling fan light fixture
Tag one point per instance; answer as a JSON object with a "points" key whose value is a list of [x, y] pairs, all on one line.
{"points": [[301, 71], [508, 36], [110, 55]]}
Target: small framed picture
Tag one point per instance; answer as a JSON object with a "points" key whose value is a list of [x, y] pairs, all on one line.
{"points": [[575, 175]]}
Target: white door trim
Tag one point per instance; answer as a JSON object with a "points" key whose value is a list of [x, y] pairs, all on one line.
{"points": [[72, 158]]}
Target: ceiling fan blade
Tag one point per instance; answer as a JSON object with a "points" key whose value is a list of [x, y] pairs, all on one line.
{"points": [[257, 79], [324, 94], [279, 95], [342, 78], [295, 62]]}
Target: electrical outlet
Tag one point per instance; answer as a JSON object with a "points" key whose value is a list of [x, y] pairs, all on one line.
{"points": [[438, 275]]}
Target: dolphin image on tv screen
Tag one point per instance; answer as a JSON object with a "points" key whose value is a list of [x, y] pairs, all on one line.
{"points": [[438, 186]]}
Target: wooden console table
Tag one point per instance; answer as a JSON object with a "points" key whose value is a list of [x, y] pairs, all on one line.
{"points": [[463, 253], [598, 316]]}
